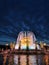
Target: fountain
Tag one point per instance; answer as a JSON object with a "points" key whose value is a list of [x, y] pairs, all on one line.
{"points": [[26, 39], [26, 45]]}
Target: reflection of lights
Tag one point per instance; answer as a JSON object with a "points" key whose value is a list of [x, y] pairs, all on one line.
{"points": [[32, 58], [23, 60], [16, 59]]}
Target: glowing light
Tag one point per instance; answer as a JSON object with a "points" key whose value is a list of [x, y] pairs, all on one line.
{"points": [[26, 39], [6, 44], [17, 46]]}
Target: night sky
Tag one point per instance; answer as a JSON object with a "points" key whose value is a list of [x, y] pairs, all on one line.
{"points": [[24, 15]]}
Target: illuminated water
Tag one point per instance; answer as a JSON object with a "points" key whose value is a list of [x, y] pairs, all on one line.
{"points": [[28, 60], [14, 59]]}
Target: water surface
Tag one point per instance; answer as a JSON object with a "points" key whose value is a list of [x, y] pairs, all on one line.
{"points": [[14, 59]]}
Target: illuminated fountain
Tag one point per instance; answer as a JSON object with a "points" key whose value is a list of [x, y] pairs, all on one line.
{"points": [[26, 39], [26, 44]]}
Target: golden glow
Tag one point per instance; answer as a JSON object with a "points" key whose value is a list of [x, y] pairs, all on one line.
{"points": [[25, 41]]}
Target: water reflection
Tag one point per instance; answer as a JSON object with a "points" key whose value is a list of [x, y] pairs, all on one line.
{"points": [[46, 59], [15, 59], [23, 60], [26, 60], [30, 60]]}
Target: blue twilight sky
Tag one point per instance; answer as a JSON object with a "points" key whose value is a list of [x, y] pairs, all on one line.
{"points": [[21, 15]]}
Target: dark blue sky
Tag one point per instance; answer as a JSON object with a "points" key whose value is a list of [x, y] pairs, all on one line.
{"points": [[20, 15]]}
